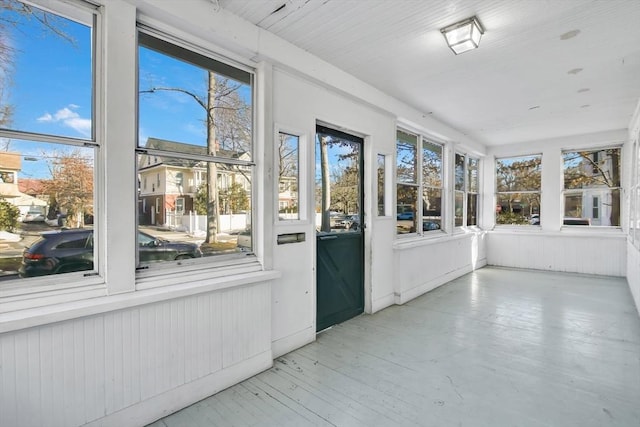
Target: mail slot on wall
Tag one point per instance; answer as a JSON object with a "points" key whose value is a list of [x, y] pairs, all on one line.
{"points": [[283, 239]]}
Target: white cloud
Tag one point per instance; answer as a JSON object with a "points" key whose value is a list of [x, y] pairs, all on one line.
{"points": [[69, 118]]}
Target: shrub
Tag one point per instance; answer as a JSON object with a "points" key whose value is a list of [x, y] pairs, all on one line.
{"points": [[8, 216]]}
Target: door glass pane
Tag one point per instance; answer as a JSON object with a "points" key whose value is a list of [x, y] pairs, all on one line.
{"points": [[337, 184]]}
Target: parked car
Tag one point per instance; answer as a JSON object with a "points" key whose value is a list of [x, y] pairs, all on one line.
{"points": [[535, 219], [404, 216], [71, 250], [351, 222], [34, 216], [430, 225]]}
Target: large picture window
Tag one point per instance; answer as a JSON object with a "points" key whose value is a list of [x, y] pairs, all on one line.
{"points": [[518, 181], [195, 143], [48, 145], [419, 184], [592, 187]]}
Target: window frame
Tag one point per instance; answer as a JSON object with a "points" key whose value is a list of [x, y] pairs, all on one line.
{"points": [[22, 293], [173, 271], [420, 185], [581, 191], [498, 193], [466, 190], [300, 177]]}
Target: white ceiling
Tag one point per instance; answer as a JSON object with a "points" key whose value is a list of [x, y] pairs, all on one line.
{"points": [[529, 79]]}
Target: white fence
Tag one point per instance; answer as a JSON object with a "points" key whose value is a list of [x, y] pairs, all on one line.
{"points": [[193, 224]]}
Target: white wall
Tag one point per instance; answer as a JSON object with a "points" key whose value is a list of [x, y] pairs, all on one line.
{"points": [[422, 266], [299, 104], [552, 246]]}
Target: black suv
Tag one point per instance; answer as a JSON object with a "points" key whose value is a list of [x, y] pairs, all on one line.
{"points": [[72, 250]]}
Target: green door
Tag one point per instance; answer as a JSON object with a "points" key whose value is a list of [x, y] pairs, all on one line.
{"points": [[339, 225]]}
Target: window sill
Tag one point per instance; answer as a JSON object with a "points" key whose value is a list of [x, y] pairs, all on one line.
{"points": [[404, 243], [572, 231], [190, 285]]}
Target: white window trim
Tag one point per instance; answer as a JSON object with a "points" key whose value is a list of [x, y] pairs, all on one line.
{"points": [[117, 285], [446, 189], [563, 191], [523, 227], [304, 216]]}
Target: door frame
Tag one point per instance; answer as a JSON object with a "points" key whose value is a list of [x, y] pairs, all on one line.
{"points": [[365, 210]]}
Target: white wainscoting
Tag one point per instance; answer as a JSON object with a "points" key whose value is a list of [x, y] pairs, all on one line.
{"points": [[633, 273], [588, 253], [421, 265], [107, 368]]}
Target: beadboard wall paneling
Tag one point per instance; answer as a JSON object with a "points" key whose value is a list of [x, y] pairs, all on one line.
{"points": [[70, 373], [602, 254], [633, 273], [423, 266]]}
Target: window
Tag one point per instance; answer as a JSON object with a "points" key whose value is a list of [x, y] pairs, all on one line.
{"points": [[460, 188], [518, 181], [634, 216], [381, 184], [419, 184], [196, 115], [48, 143], [466, 190], [592, 187], [473, 188], [288, 176]]}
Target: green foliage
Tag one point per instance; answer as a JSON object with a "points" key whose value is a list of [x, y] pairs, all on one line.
{"points": [[237, 197], [200, 202], [8, 216], [511, 218]]}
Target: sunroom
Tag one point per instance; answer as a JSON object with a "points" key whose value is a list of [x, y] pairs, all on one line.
{"points": [[215, 182]]}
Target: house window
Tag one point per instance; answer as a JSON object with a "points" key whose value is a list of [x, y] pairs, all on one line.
{"points": [[592, 176], [209, 131], [288, 176], [49, 144], [180, 205], [419, 184], [518, 181]]}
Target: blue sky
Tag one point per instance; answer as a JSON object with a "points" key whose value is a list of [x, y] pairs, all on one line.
{"points": [[49, 88]]}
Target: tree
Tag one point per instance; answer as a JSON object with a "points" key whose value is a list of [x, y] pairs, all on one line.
{"points": [[228, 124], [8, 215], [518, 184], [236, 197], [71, 185], [595, 169]]}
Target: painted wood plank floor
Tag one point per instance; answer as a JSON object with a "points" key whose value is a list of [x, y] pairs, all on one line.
{"points": [[497, 347]]}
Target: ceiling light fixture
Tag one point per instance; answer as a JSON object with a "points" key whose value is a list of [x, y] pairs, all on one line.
{"points": [[464, 35]]}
